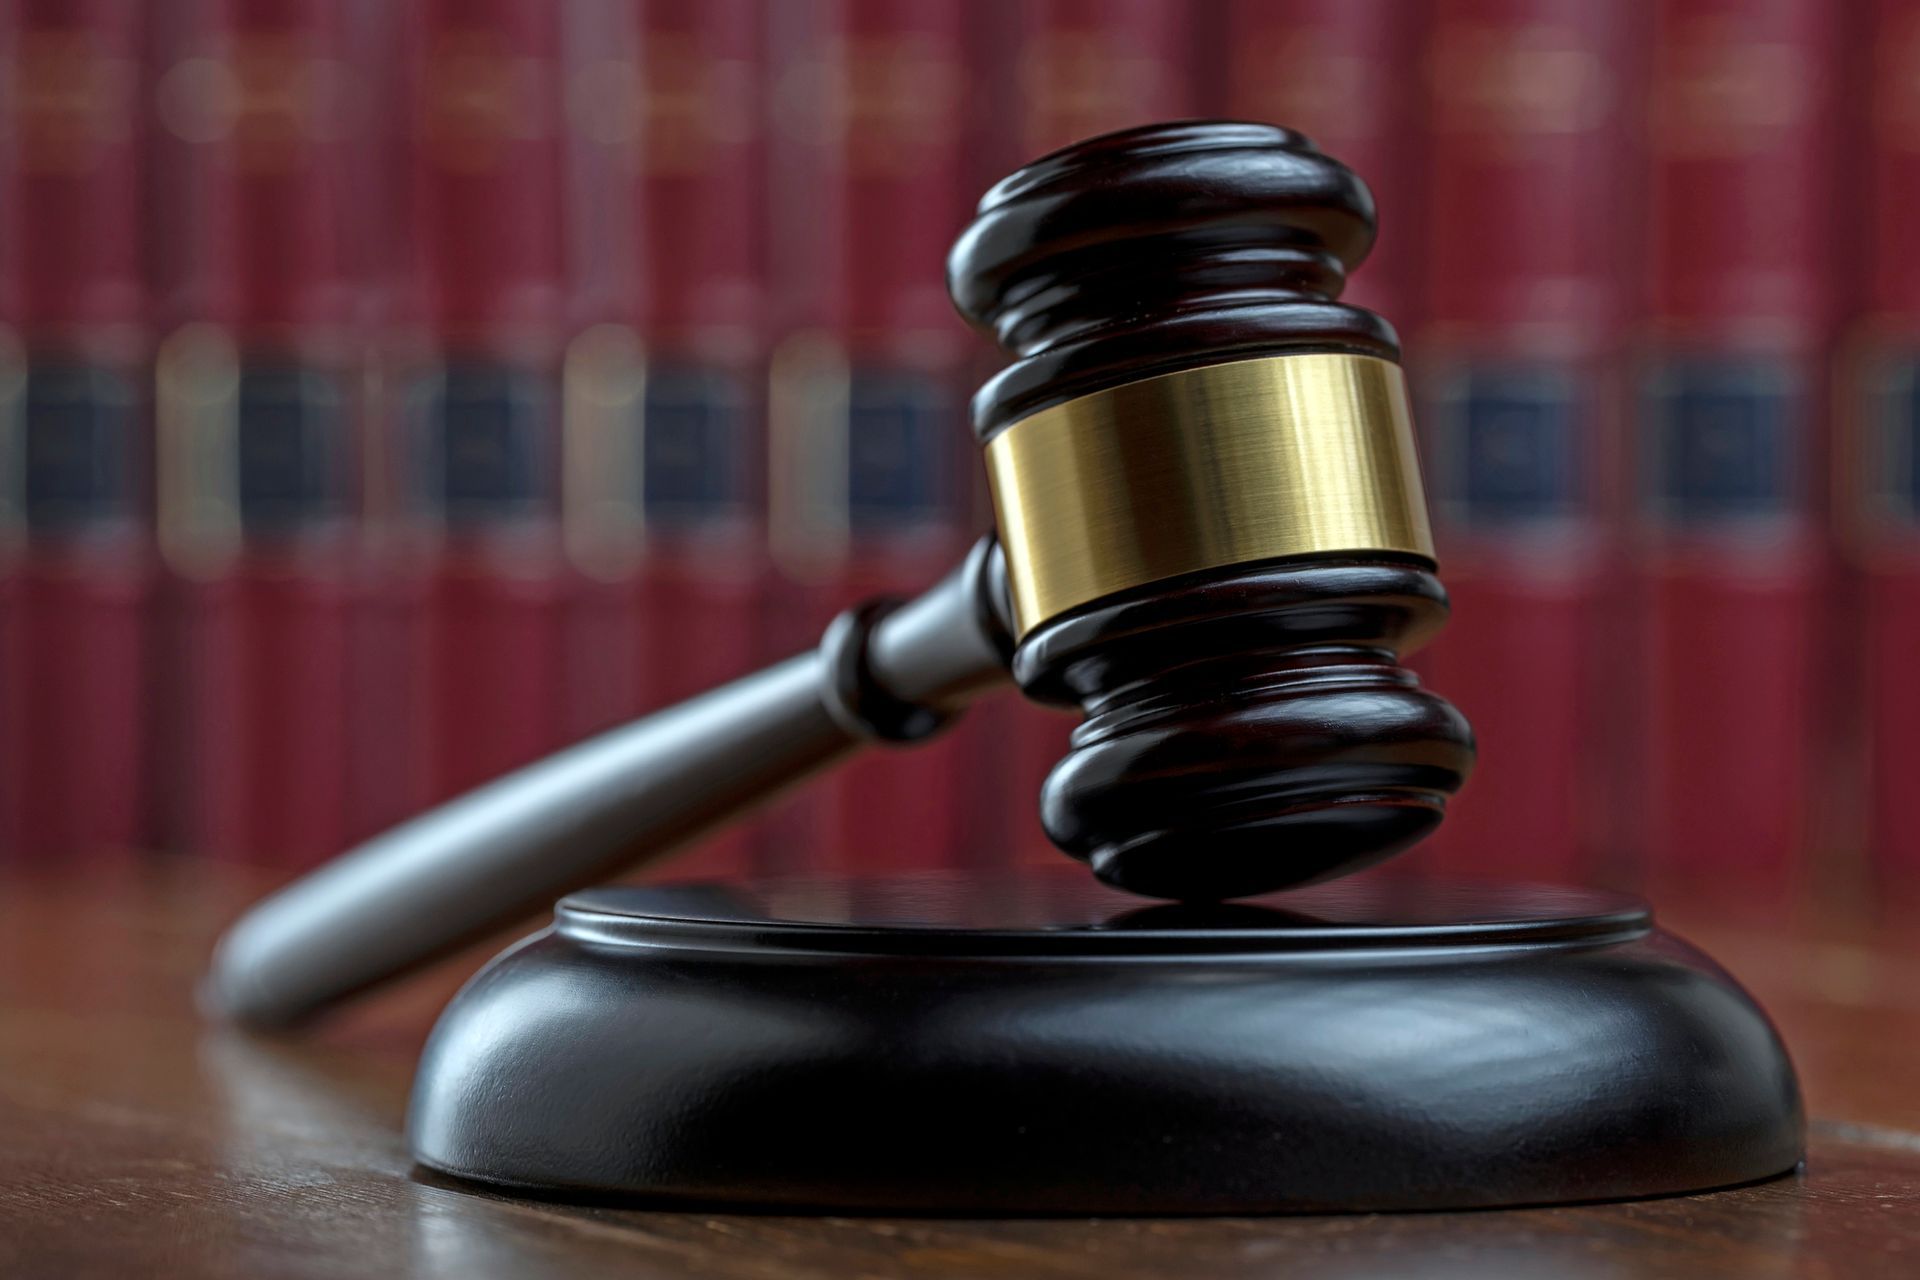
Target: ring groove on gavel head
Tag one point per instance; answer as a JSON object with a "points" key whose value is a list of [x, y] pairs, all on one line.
{"points": [[1216, 541]]}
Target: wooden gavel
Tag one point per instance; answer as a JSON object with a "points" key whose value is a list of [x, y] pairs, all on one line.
{"points": [[1211, 539]]}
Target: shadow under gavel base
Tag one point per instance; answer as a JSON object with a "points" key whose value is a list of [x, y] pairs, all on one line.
{"points": [[1043, 1045]]}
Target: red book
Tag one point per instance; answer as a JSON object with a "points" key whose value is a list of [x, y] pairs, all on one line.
{"points": [[1053, 72], [1530, 119], [871, 462], [257, 388], [665, 436], [1883, 482], [76, 560], [478, 408], [1742, 141], [386, 719]]}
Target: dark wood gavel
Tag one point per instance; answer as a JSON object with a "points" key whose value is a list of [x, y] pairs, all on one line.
{"points": [[1211, 539]]}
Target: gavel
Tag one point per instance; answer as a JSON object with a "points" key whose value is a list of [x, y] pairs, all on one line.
{"points": [[1211, 539]]}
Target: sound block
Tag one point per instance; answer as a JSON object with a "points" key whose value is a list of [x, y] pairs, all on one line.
{"points": [[1044, 1045]]}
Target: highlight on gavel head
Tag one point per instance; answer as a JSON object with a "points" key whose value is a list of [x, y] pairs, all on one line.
{"points": [[1216, 540]]}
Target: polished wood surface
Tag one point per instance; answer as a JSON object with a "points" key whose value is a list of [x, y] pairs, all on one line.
{"points": [[135, 1140]]}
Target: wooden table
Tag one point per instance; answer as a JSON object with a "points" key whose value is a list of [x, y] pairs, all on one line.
{"points": [[136, 1141]]}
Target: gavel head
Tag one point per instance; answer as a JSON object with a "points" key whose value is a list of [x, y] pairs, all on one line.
{"points": [[1216, 541]]}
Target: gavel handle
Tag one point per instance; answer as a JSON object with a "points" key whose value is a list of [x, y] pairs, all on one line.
{"points": [[503, 851]]}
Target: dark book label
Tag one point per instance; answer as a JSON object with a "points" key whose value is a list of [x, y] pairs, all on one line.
{"points": [[1722, 441], [693, 447], [483, 444], [1506, 446], [77, 430], [1891, 482], [292, 449], [900, 430]]}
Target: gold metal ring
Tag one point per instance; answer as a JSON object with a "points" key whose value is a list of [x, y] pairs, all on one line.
{"points": [[1287, 455]]}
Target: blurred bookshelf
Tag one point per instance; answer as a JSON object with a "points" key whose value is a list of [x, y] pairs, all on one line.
{"points": [[393, 392]]}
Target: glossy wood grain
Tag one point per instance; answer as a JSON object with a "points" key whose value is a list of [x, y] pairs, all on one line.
{"points": [[136, 1141]]}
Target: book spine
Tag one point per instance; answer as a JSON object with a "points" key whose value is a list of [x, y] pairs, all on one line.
{"points": [[666, 440], [1529, 144], [871, 460], [257, 389], [477, 411], [1741, 141], [602, 371], [76, 559], [1880, 474], [387, 723]]}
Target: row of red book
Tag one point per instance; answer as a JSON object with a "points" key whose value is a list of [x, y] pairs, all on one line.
{"points": [[393, 392]]}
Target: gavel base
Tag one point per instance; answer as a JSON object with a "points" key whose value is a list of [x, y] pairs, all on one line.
{"points": [[1043, 1045]]}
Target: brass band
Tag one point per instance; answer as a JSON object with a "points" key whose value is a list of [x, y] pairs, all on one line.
{"points": [[1206, 467]]}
